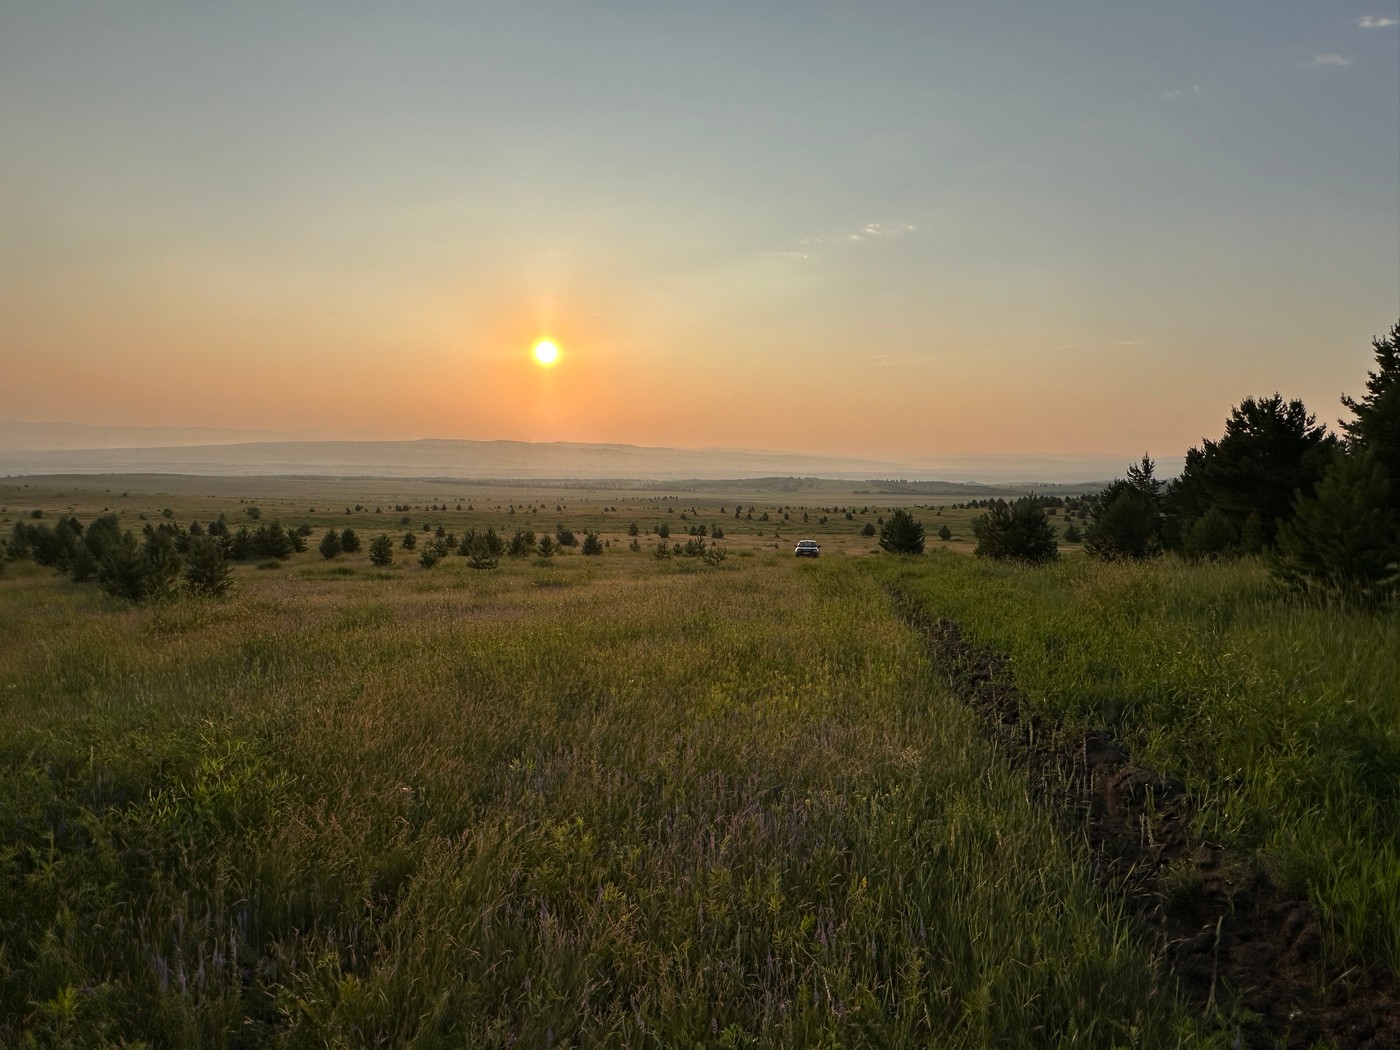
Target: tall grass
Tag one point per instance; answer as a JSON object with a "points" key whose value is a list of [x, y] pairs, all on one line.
{"points": [[1284, 717], [646, 805]]}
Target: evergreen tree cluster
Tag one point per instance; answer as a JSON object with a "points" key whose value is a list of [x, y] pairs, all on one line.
{"points": [[155, 563], [1323, 511]]}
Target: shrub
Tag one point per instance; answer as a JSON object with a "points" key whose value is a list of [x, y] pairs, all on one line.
{"points": [[1018, 531], [944, 533], [429, 556], [547, 546], [409, 541], [902, 533], [349, 542], [592, 545], [565, 537], [330, 544], [868, 529], [1212, 535]]}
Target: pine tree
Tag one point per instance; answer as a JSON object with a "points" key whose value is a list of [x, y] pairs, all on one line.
{"points": [[592, 545], [1127, 517], [163, 562], [1271, 448], [330, 544], [207, 571], [123, 572], [240, 546], [1376, 428], [522, 544], [272, 541], [349, 542], [1342, 541], [482, 555], [1018, 531], [381, 550], [902, 533]]}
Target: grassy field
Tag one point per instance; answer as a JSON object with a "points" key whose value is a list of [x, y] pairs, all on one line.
{"points": [[634, 802], [1283, 718]]}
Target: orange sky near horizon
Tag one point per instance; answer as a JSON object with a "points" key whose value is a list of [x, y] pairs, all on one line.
{"points": [[901, 236]]}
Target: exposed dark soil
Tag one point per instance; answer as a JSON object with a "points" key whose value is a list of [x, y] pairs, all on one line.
{"points": [[1231, 937]]}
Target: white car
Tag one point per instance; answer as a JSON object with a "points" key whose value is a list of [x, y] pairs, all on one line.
{"points": [[808, 549]]}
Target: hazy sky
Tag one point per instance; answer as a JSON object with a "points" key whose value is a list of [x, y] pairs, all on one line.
{"points": [[917, 228]]}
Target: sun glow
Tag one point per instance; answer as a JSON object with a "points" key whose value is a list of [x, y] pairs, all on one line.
{"points": [[545, 352]]}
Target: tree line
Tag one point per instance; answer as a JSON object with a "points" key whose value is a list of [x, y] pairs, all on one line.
{"points": [[159, 561], [1322, 509]]}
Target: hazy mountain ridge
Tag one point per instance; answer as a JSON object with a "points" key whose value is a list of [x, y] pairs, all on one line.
{"points": [[18, 435], [503, 459]]}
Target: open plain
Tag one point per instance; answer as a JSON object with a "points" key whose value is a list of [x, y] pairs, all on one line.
{"points": [[632, 800]]}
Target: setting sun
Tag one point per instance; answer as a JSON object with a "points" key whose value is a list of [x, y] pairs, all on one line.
{"points": [[546, 352]]}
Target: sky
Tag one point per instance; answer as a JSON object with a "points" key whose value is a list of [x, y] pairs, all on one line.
{"points": [[876, 229]]}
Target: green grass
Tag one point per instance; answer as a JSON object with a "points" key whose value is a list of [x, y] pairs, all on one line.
{"points": [[610, 801], [1282, 717], [623, 801]]}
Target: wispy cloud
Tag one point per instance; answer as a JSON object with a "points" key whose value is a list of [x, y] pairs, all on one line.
{"points": [[1190, 91], [1329, 59], [869, 232], [1377, 22]]}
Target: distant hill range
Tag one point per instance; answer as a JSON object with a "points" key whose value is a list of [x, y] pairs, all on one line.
{"points": [[52, 448]]}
